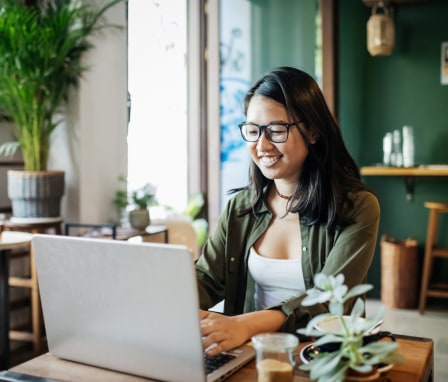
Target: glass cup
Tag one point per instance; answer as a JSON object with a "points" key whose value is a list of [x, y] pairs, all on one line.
{"points": [[276, 356]]}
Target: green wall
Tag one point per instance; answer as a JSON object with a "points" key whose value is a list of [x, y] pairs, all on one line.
{"points": [[283, 35], [380, 94]]}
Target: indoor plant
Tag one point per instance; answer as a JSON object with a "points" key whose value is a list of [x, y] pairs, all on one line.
{"points": [[344, 349], [41, 46], [141, 199], [121, 201]]}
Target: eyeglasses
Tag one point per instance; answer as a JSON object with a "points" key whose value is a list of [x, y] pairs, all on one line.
{"points": [[276, 132]]}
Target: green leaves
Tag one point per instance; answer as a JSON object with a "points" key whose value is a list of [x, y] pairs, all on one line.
{"points": [[40, 59], [144, 196], [194, 205], [347, 337]]}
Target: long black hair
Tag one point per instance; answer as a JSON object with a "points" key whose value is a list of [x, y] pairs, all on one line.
{"points": [[329, 172]]}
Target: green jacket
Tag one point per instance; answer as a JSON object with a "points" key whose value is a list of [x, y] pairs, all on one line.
{"points": [[222, 271]]}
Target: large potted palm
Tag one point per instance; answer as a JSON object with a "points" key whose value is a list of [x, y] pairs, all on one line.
{"points": [[41, 46]]}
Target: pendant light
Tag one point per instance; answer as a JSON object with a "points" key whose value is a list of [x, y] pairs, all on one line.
{"points": [[380, 31]]}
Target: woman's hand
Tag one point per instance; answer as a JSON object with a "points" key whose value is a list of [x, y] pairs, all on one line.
{"points": [[222, 333]]}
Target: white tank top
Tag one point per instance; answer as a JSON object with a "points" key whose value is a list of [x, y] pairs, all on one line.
{"points": [[276, 280]]}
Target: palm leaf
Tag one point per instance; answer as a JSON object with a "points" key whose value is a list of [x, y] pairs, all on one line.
{"points": [[41, 48]]}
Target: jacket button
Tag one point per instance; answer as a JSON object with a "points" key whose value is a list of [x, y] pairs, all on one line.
{"points": [[303, 249], [232, 259]]}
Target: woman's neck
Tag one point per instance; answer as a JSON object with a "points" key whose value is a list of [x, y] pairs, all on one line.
{"points": [[284, 192], [280, 194]]}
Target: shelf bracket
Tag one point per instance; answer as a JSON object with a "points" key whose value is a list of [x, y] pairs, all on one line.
{"points": [[409, 184]]}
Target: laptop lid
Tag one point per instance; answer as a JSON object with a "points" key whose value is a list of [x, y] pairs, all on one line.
{"points": [[129, 307]]}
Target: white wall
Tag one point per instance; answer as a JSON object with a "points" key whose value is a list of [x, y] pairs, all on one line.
{"points": [[7, 136], [92, 145]]}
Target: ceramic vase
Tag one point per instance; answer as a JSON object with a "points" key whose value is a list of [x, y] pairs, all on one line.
{"points": [[139, 219]]}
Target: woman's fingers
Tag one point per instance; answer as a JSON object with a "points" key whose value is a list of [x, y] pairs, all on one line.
{"points": [[219, 333]]}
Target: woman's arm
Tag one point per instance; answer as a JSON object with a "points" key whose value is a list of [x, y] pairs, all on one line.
{"points": [[221, 333]]}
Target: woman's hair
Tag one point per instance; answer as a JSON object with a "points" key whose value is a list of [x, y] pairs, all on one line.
{"points": [[329, 172]]}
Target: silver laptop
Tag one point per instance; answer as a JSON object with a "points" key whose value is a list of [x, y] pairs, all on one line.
{"points": [[129, 307]]}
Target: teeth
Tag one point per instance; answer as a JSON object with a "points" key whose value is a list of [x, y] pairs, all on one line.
{"points": [[269, 160]]}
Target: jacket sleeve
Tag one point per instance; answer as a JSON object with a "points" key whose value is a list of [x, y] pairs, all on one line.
{"points": [[351, 254], [210, 266]]}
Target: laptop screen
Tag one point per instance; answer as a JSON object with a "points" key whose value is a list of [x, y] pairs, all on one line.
{"points": [[130, 307]]}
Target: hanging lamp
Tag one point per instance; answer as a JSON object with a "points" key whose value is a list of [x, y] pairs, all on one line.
{"points": [[380, 31]]}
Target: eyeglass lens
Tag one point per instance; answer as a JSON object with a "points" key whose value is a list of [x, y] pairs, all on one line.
{"points": [[275, 133]]}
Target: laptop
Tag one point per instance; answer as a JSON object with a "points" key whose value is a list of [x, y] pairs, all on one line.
{"points": [[129, 307]]}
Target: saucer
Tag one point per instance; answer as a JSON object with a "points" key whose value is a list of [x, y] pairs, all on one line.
{"points": [[310, 351], [307, 353]]}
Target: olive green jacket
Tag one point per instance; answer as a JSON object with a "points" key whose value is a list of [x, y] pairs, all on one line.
{"points": [[222, 271]]}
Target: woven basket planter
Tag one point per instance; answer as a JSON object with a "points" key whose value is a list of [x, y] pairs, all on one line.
{"points": [[399, 273], [36, 194]]}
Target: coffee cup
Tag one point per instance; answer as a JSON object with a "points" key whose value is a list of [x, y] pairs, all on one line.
{"points": [[276, 356]]}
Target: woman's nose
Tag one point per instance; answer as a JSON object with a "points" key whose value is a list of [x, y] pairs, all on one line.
{"points": [[263, 141]]}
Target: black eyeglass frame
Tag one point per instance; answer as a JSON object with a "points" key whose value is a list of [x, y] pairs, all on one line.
{"points": [[264, 128]]}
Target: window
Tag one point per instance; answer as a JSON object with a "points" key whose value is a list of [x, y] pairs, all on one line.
{"points": [[157, 75]]}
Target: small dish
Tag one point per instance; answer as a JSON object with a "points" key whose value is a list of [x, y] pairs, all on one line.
{"points": [[381, 369], [310, 351]]}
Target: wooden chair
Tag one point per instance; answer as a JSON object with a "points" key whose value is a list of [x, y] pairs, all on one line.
{"points": [[36, 334], [432, 251]]}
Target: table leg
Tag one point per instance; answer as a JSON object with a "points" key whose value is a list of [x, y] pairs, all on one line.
{"points": [[4, 309]]}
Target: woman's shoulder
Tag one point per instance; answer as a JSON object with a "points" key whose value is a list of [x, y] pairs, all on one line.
{"points": [[241, 199], [365, 201], [241, 203]]}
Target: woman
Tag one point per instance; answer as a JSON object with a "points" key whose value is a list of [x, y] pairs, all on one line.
{"points": [[304, 211]]}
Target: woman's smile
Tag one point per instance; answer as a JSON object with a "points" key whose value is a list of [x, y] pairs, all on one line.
{"points": [[268, 160]]}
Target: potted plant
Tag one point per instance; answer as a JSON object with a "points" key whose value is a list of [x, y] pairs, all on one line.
{"points": [[41, 46], [141, 199], [350, 347], [200, 225], [121, 201]]}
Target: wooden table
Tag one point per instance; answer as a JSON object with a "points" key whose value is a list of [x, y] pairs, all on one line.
{"points": [[32, 225], [105, 231], [417, 366], [8, 242]]}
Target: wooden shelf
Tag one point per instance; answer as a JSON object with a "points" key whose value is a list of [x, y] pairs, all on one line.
{"points": [[408, 173], [436, 170], [370, 3]]}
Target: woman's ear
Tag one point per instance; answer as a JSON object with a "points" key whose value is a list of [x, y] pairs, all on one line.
{"points": [[313, 137]]}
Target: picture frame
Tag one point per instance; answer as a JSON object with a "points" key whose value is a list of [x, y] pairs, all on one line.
{"points": [[444, 64]]}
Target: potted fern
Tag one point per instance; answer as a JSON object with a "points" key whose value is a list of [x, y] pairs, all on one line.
{"points": [[350, 348], [42, 43]]}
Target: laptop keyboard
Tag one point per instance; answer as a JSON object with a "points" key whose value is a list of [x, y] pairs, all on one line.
{"points": [[213, 363]]}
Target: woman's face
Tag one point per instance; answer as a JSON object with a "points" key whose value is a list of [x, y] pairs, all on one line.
{"points": [[275, 160]]}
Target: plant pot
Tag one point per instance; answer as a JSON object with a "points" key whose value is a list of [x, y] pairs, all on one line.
{"points": [[139, 219], [36, 194], [377, 373], [353, 375]]}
